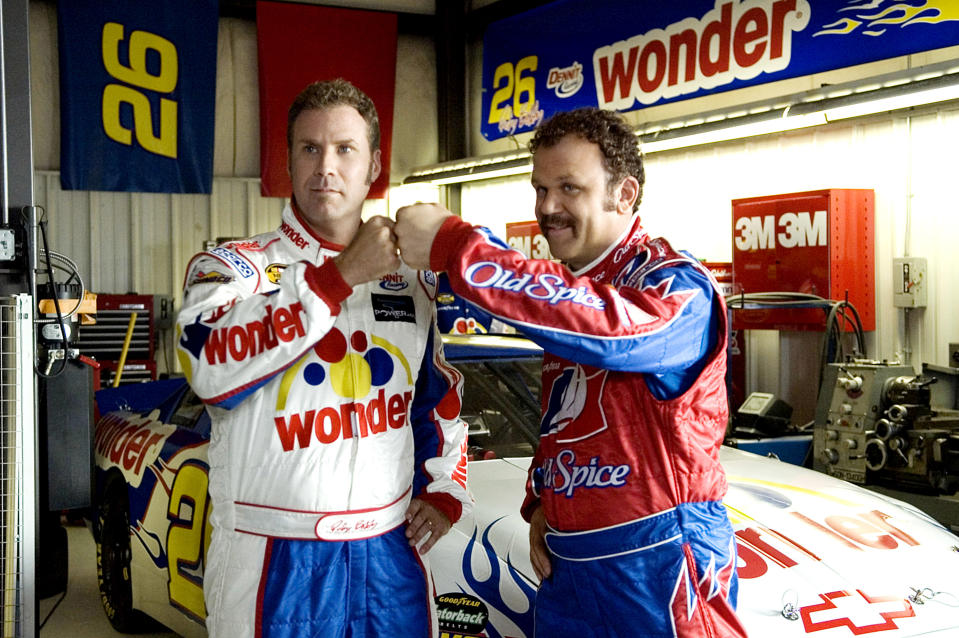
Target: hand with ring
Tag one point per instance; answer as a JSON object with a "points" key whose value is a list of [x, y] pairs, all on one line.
{"points": [[425, 524]]}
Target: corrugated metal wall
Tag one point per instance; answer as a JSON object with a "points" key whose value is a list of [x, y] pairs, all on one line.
{"points": [[142, 242]]}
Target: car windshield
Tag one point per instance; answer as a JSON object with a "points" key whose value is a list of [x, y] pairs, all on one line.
{"points": [[501, 405], [188, 413]]}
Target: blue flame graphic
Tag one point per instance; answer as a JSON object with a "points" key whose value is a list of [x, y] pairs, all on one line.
{"points": [[489, 589]]}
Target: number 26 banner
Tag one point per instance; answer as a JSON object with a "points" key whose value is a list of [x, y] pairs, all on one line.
{"points": [[137, 94]]}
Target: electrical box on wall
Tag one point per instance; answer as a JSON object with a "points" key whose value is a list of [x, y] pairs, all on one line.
{"points": [[909, 282], [816, 242]]}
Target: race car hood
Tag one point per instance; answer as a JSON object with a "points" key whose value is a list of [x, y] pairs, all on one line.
{"points": [[816, 555]]}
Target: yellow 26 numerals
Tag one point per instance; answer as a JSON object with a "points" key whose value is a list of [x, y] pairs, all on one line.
{"points": [[136, 78], [188, 538], [513, 84]]}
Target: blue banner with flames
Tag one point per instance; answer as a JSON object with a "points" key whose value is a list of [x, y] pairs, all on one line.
{"points": [[137, 91], [625, 55]]}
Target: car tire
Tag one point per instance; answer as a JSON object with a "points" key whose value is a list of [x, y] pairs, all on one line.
{"points": [[113, 559]]}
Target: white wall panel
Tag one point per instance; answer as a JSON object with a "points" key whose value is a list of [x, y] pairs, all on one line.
{"points": [[494, 203]]}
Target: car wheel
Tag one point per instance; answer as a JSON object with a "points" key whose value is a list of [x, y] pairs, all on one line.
{"points": [[113, 559]]}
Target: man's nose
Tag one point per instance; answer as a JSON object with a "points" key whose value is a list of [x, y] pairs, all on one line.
{"points": [[548, 203], [325, 163]]}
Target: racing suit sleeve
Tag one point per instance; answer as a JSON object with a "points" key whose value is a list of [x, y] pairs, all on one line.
{"points": [[231, 339], [439, 435], [653, 320]]}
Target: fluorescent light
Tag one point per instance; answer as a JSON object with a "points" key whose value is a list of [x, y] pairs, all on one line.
{"points": [[894, 102], [688, 136], [484, 174], [488, 167]]}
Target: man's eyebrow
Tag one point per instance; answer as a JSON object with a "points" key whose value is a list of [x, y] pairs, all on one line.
{"points": [[565, 177], [314, 142]]}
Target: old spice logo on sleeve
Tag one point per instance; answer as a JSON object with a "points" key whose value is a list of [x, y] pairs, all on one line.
{"points": [[546, 287], [574, 411], [359, 371]]}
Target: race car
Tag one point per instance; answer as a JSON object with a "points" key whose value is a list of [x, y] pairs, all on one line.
{"points": [[817, 556]]}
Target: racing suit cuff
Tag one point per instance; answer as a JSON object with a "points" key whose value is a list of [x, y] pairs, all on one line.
{"points": [[326, 281], [450, 237], [445, 503]]}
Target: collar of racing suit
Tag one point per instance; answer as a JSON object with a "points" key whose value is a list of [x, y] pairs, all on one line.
{"points": [[302, 238], [633, 235]]}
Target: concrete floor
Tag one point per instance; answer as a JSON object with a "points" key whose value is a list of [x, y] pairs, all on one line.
{"points": [[80, 614]]}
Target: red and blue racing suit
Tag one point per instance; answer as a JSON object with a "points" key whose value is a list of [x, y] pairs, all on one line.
{"points": [[634, 413], [331, 408]]}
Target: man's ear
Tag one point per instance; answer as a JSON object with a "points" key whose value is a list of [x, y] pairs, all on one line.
{"points": [[627, 193], [375, 166]]}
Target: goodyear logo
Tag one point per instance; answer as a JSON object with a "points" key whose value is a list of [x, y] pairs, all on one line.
{"points": [[461, 613]]}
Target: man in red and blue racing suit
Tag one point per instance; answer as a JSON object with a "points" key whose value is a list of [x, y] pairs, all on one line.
{"points": [[337, 456], [627, 528]]}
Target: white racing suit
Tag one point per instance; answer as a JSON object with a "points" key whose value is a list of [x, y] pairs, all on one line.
{"points": [[331, 408]]}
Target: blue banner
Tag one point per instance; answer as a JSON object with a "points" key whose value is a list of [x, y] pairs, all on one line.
{"points": [[137, 92], [625, 54]]}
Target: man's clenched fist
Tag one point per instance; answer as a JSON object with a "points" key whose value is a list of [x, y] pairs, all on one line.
{"points": [[371, 254], [415, 229]]}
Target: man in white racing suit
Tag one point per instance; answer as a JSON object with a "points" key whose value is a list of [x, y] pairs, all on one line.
{"points": [[336, 447]]}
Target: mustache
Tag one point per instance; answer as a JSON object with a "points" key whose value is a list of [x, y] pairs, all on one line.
{"points": [[554, 220]]}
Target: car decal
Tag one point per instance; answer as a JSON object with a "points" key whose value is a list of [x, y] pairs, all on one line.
{"points": [[490, 589], [877, 613]]}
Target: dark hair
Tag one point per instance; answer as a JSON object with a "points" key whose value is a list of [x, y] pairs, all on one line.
{"points": [[322, 95], [608, 130]]}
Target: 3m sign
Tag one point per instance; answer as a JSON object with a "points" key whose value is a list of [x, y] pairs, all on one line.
{"points": [[817, 242], [527, 238]]}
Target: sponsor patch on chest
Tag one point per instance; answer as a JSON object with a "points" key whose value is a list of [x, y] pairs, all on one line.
{"points": [[393, 308]]}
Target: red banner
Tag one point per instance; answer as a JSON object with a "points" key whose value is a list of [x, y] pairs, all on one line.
{"points": [[299, 44]]}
